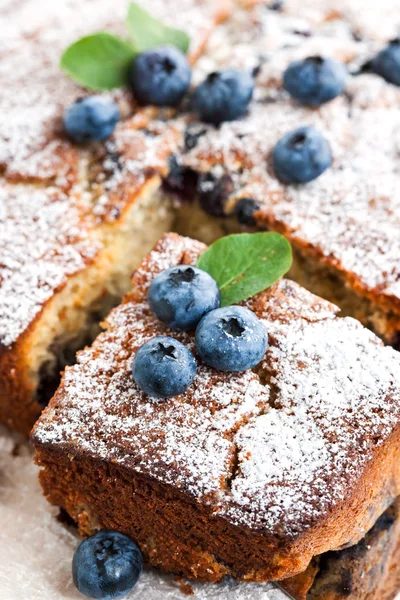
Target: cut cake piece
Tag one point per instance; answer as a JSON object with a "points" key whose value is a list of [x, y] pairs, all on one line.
{"points": [[249, 474]]}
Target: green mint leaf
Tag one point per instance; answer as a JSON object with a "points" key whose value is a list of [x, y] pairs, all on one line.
{"points": [[99, 62], [244, 264], [146, 32]]}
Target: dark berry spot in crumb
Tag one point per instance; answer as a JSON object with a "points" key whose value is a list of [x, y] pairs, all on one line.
{"points": [[232, 327], [302, 32], [192, 137], [181, 180], [245, 209], [213, 193]]}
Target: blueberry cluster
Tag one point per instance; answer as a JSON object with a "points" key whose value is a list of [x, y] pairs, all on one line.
{"points": [[162, 77], [185, 298]]}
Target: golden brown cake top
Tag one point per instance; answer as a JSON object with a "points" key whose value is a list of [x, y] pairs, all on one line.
{"points": [[275, 449]]}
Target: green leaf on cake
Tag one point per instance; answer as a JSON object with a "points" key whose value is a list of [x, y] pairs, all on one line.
{"points": [[99, 62], [245, 264], [146, 32]]}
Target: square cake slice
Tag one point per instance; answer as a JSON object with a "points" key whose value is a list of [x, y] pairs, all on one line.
{"points": [[249, 474]]}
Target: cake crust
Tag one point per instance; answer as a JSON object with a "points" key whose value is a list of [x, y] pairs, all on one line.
{"points": [[295, 459]]}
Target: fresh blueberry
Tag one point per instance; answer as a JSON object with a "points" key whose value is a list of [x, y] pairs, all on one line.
{"points": [[163, 367], [106, 565], [182, 295], [223, 96], [301, 156], [91, 119], [245, 209], [314, 80], [387, 62], [160, 76], [213, 192], [231, 339]]}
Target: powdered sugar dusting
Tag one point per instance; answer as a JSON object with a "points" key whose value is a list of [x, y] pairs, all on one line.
{"points": [[350, 216], [304, 426]]}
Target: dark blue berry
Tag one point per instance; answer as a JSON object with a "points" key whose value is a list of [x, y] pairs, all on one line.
{"points": [[106, 565], [163, 367], [387, 62], [245, 209], [160, 76], [181, 180], [314, 80], [91, 119], [231, 339], [213, 192], [223, 96], [182, 295], [301, 156]]}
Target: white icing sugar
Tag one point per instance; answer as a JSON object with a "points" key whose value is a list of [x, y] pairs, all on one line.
{"points": [[349, 216], [303, 427]]}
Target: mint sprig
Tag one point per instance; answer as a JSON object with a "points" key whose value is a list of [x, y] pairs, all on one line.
{"points": [[245, 264], [101, 61]]}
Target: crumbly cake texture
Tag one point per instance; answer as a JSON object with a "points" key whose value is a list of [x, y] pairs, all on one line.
{"points": [[366, 571], [248, 474], [74, 222]]}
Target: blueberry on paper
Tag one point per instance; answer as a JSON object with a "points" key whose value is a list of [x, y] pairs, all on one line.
{"points": [[106, 565], [91, 119], [182, 295], [301, 156], [163, 367], [231, 339]]}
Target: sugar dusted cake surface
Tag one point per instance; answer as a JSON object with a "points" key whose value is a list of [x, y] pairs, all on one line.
{"points": [[275, 450]]}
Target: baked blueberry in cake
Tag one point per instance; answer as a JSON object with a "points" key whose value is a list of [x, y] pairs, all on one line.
{"points": [[247, 473]]}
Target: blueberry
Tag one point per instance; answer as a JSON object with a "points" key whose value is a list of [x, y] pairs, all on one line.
{"points": [[223, 96], [245, 209], [387, 62], [91, 119], [180, 181], [163, 367], [106, 565], [182, 295], [314, 80], [301, 156], [231, 339], [213, 192], [160, 76]]}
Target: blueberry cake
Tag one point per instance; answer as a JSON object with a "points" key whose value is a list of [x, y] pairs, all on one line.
{"points": [[75, 221], [249, 474], [69, 237]]}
